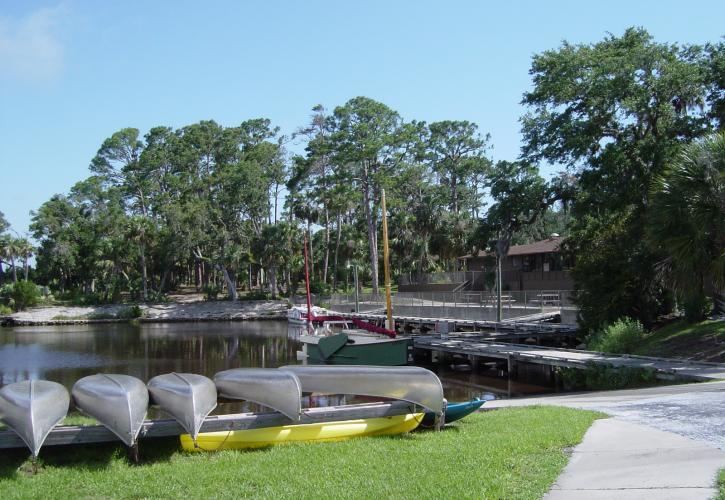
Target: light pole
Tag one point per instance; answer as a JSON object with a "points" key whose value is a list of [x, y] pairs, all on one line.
{"points": [[354, 277]]}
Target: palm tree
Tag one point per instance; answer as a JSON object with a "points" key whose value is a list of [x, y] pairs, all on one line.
{"points": [[25, 251], [9, 250], [687, 221]]}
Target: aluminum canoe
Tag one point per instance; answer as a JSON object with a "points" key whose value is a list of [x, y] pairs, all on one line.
{"points": [[187, 397], [407, 383], [118, 402], [32, 408], [275, 389]]}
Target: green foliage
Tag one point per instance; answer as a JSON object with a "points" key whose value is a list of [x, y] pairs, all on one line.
{"points": [[681, 339], [257, 295], [5, 310], [130, 312], [21, 295], [596, 377], [483, 456], [622, 337], [211, 291], [615, 113], [687, 223]]}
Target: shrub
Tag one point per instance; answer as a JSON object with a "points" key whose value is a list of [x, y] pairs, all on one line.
{"points": [[5, 310], [621, 337], [606, 377], [257, 295], [696, 307], [130, 312], [20, 295], [211, 291]]}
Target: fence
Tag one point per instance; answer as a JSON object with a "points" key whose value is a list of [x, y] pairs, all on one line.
{"points": [[462, 305], [439, 278]]}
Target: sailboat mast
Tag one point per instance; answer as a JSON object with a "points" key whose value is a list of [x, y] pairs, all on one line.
{"points": [[307, 285], [386, 264]]}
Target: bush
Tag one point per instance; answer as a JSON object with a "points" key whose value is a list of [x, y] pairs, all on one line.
{"points": [[606, 377], [211, 291], [696, 307], [622, 337], [257, 295], [5, 310], [20, 295], [130, 312]]}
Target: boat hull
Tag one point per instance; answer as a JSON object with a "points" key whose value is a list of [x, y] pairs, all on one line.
{"points": [[454, 411], [275, 389], [385, 352], [32, 408], [318, 432], [187, 397], [118, 402]]}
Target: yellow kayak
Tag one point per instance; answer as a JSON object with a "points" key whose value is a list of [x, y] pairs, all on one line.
{"points": [[326, 431]]}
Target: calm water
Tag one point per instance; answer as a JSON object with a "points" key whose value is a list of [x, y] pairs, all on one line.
{"points": [[66, 353]]}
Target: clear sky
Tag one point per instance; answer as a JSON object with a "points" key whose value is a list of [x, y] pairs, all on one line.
{"points": [[72, 73]]}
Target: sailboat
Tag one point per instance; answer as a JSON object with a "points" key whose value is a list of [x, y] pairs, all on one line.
{"points": [[357, 342]]}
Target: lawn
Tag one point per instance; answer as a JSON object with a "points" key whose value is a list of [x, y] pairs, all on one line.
{"points": [[721, 483], [511, 453], [704, 341]]}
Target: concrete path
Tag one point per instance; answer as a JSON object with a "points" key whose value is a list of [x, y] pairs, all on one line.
{"points": [[619, 459], [664, 442]]}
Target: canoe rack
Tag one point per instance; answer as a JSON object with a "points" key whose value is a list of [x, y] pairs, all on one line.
{"points": [[73, 434]]}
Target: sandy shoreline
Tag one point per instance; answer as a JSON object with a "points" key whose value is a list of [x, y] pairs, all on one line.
{"points": [[169, 312]]}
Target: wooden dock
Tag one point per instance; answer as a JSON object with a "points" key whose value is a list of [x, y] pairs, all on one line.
{"points": [[531, 325], [475, 348], [73, 434]]}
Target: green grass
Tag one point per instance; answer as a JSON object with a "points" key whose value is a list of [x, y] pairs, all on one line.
{"points": [[721, 484], [512, 453], [704, 341]]}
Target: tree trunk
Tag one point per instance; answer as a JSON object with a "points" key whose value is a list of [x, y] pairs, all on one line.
{"points": [[337, 250], [273, 281], [372, 236], [25, 269], [312, 254], [231, 281], [144, 285], [15, 271], [327, 246]]}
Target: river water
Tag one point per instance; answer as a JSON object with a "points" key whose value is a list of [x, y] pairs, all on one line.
{"points": [[66, 353]]}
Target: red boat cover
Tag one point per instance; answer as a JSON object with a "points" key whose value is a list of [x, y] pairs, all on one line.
{"points": [[363, 325]]}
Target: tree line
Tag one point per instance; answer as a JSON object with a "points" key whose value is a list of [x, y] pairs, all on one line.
{"points": [[211, 205]]}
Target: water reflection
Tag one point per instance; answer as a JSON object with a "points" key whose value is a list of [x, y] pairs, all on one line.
{"points": [[66, 353]]}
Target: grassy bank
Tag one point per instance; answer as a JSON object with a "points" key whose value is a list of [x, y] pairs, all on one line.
{"points": [[721, 484], [704, 341], [512, 453]]}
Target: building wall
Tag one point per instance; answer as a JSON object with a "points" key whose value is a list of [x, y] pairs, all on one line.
{"points": [[530, 272]]}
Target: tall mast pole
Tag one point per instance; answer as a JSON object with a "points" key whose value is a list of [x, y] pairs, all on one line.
{"points": [[307, 285], [386, 264]]}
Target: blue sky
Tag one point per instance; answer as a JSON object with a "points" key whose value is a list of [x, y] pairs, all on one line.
{"points": [[73, 72]]}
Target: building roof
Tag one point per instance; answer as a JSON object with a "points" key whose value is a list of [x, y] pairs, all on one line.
{"points": [[544, 246]]}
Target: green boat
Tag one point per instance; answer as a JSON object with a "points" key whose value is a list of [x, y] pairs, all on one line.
{"points": [[454, 411], [355, 349]]}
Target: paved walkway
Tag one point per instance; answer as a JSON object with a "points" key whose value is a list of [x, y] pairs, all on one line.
{"points": [[619, 459], [663, 442]]}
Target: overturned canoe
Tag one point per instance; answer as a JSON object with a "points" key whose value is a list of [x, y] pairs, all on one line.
{"points": [[32, 408], [454, 411], [274, 389], [187, 397], [295, 433], [407, 383], [118, 402]]}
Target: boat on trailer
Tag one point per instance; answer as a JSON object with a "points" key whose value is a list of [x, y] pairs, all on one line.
{"points": [[32, 408], [118, 402], [187, 397], [274, 389]]}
